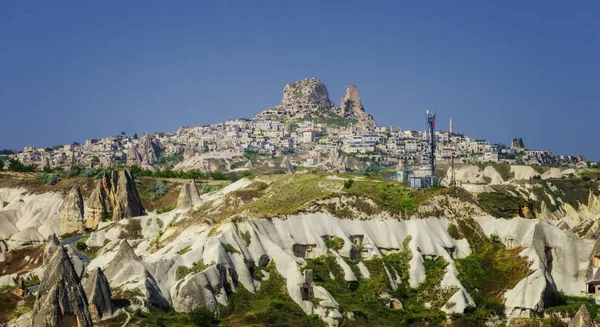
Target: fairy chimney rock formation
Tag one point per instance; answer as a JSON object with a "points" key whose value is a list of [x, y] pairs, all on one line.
{"points": [[189, 197], [351, 107], [60, 299], [582, 318], [71, 212], [287, 165], [51, 245], [115, 197], [99, 296]]}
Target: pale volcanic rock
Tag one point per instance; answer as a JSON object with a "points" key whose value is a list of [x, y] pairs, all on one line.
{"points": [[350, 106], [582, 318], [308, 93], [97, 290], [145, 153], [287, 165], [127, 270], [189, 197], [60, 299], [115, 193], [301, 99], [71, 212]]}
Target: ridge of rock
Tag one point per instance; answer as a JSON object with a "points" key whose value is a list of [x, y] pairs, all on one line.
{"points": [[60, 300]]}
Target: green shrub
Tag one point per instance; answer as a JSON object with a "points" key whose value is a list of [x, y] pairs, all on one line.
{"points": [[53, 179], [159, 189], [348, 183], [203, 317], [454, 232], [230, 248], [246, 237], [196, 267], [184, 250], [335, 243], [81, 246]]}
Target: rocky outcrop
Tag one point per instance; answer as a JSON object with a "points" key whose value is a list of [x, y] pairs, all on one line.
{"points": [[351, 107], [338, 162], [116, 197], [127, 270], [145, 153], [21, 290], [99, 296], [189, 197], [196, 290], [3, 249], [71, 212], [300, 99], [287, 165], [517, 144], [582, 318], [308, 93], [60, 299], [51, 245], [249, 165]]}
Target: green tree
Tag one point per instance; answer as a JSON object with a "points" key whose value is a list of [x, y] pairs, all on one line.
{"points": [[17, 166], [135, 136]]}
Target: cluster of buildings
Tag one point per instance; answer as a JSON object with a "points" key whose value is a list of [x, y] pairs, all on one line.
{"points": [[380, 145]]}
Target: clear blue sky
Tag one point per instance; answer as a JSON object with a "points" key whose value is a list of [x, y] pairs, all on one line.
{"points": [[71, 70]]}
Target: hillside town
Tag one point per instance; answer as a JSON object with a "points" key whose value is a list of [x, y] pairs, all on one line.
{"points": [[306, 126]]}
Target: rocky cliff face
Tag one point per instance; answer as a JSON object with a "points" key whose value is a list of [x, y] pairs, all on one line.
{"points": [[351, 107], [308, 93], [300, 99], [99, 296], [115, 197], [60, 300], [145, 152], [71, 212], [518, 144]]}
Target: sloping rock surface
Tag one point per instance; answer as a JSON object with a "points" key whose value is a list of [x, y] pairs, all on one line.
{"points": [[127, 270], [60, 300], [71, 212], [99, 296], [582, 318]]}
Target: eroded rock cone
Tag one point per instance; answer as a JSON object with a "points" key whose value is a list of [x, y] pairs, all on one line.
{"points": [[287, 165], [127, 268], [350, 106], [60, 300], [51, 245], [582, 318], [115, 197], [188, 197], [71, 212], [99, 296]]}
